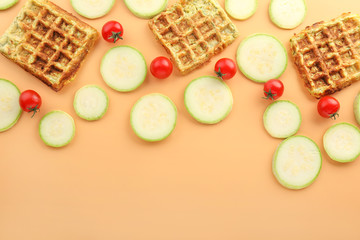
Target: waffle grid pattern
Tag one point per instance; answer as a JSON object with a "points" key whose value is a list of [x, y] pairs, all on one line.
{"points": [[47, 42], [193, 31], [327, 54]]}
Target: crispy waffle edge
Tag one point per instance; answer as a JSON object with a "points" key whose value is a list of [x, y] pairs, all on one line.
{"points": [[301, 69], [151, 25], [78, 61]]}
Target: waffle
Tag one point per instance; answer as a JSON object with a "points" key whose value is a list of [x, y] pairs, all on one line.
{"points": [[48, 42], [327, 54], [193, 31]]}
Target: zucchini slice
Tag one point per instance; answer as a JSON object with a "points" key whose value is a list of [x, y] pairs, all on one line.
{"points": [[261, 57], [10, 110], [241, 9], [297, 162], [146, 8], [92, 8], [91, 102], [208, 99], [123, 68], [57, 128], [5, 4], [287, 14], [153, 117], [282, 119], [342, 142]]}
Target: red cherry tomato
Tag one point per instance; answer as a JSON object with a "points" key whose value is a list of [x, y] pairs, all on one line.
{"points": [[225, 68], [30, 101], [161, 67], [273, 89], [328, 107], [112, 31]]}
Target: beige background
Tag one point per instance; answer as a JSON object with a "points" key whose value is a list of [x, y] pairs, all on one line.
{"points": [[203, 182]]}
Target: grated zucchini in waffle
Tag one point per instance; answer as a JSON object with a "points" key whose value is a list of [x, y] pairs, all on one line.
{"points": [[193, 31], [327, 54], [48, 42]]}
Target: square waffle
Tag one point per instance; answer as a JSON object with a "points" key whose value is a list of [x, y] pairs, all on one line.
{"points": [[193, 31], [48, 42], [327, 54]]}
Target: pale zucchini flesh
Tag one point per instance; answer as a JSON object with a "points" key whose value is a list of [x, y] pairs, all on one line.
{"points": [[282, 119], [5, 4], [357, 108], [208, 99], [91, 102], [241, 9], [146, 8], [297, 162], [261, 57], [10, 110], [92, 8], [287, 14], [57, 128], [342, 142], [123, 68], [153, 117]]}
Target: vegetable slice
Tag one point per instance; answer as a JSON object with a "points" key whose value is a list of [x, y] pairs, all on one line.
{"points": [[57, 128], [261, 57], [208, 99], [297, 162], [287, 14], [357, 108], [153, 117], [92, 9], [282, 119], [5, 4], [91, 102], [342, 142], [241, 9], [146, 8], [10, 110], [123, 68]]}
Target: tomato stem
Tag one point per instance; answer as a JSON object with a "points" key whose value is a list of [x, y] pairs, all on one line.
{"points": [[334, 115], [116, 36], [220, 74], [34, 110], [269, 95]]}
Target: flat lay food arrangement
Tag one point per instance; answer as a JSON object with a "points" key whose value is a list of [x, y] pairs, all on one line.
{"points": [[206, 113]]}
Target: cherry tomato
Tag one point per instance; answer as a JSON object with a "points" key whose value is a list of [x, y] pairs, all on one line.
{"points": [[273, 89], [112, 31], [225, 68], [30, 101], [328, 107], [161, 67]]}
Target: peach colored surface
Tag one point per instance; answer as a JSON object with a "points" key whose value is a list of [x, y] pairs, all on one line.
{"points": [[203, 182]]}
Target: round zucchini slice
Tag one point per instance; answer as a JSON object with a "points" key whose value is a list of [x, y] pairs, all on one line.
{"points": [[153, 117], [287, 14], [342, 142], [10, 110], [57, 128], [92, 8], [123, 68], [146, 8], [5, 4], [261, 57], [282, 119], [208, 99], [297, 162], [91, 102]]}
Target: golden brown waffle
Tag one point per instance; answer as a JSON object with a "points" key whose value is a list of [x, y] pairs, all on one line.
{"points": [[327, 54], [48, 42], [193, 31]]}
